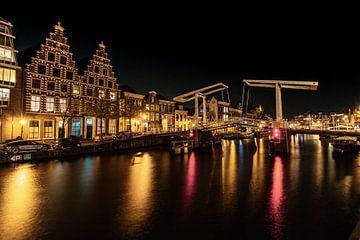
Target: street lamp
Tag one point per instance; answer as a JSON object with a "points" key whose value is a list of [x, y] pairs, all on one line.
{"points": [[22, 123]]}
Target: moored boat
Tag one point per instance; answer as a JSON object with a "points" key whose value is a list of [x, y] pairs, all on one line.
{"points": [[346, 144]]}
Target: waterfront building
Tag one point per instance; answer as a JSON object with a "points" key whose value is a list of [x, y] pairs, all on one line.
{"points": [[10, 84], [132, 117], [52, 89], [100, 95], [167, 114], [181, 118]]}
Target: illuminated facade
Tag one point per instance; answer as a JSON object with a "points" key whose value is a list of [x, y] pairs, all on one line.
{"points": [[100, 96], [132, 114], [59, 102], [10, 84], [181, 119]]}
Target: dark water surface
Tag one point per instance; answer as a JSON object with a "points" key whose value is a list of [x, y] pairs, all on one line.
{"points": [[235, 191]]}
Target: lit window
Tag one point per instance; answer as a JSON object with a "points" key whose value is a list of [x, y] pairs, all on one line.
{"points": [[48, 129], [101, 94], [112, 126], [34, 129], [112, 96], [35, 103], [76, 89], [7, 75], [50, 104], [147, 107], [63, 105], [4, 96], [6, 54], [100, 126]]}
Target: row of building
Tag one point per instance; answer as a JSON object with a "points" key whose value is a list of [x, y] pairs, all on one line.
{"points": [[45, 95]]}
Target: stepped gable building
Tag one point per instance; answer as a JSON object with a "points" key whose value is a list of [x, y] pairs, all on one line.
{"points": [[52, 90], [10, 84], [101, 95]]}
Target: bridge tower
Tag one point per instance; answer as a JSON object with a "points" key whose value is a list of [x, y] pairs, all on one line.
{"points": [[279, 135]]}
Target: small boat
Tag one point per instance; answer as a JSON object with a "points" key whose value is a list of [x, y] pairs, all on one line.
{"points": [[346, 144]]}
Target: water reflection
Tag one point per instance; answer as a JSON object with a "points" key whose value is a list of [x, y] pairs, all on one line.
{"points": [[277, 198], [138, 201], [189, 189], [19, 207], [229, 172]]}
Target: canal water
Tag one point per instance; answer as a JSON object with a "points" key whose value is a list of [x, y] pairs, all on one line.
{"points": [[233, 191]]}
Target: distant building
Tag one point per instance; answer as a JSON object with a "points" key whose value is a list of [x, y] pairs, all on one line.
{"points": [[181, 118]]}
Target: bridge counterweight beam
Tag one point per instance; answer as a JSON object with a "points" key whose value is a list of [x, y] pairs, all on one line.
{"points": [[279, 115]]}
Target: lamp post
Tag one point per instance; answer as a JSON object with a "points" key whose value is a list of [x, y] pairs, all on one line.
{"points": [[22, 123]]}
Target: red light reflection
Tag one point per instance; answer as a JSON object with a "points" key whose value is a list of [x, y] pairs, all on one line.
{"points": [[277, 198], [189, 184]]}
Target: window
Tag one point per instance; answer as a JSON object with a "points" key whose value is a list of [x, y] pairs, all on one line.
{"points": [[51, 86], [7, 75], [75, 106], [63, 88], [4, 96], [101, 82], [63, 60], [89, 92], [51, 57], [56, 72], [97, 69], [76, 127], [48, 129], [76, 89], [112, 126], [35, 103], [6, 54], [41, 69], [88, 106], [91, 80], [63, 105], [112, 96], [110, 84], [50, 101], [100, 129], [147, 107], [69, 75], [101, 94], [34, 128], [105, 72], [36, 83]]}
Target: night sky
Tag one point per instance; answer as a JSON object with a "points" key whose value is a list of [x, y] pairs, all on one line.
{"points": [[175, 49]]}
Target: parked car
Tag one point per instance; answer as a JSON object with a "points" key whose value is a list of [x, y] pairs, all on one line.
{"points": [[19, 146], [105, 137], [69, 142]]}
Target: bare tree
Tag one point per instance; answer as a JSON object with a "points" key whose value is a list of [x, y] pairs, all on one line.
{"points": [[105, 109]]}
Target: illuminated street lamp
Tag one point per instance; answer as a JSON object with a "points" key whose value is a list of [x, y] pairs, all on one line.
{"points": [[22, 123]]}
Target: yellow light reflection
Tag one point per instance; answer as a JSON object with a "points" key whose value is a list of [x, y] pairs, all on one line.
{"points": [[139, 200], [258, 171], [19, 205], [229, 174]]}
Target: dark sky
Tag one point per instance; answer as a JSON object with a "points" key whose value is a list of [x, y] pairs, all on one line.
{"points": [[173, 49]]}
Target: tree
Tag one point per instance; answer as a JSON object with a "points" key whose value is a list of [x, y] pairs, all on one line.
{"points": [[66, 113], [105, 109]]}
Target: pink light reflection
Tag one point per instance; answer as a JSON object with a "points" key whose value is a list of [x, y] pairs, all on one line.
{"points": [[189, 184], [277, 198]]}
